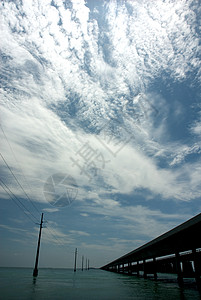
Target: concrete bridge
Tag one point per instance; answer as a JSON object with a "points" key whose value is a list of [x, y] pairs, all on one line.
{"points": [[176, 251]]}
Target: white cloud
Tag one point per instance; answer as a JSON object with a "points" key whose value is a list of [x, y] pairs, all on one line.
{"points": [[78, 232], [57, 237], [13, 229], [50, 210], [195, 128], [46, 146], [185, 151], [54, 64], [135, 219], [84, 215]]}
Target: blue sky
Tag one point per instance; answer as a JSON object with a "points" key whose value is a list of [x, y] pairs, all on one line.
{"points": [[106, 93]]}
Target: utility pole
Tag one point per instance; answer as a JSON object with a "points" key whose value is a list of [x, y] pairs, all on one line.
{"points": [[35, 271], [75, 259], [82, 262]]}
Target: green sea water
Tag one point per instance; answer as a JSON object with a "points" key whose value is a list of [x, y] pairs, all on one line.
{"points": [[18, 283]]}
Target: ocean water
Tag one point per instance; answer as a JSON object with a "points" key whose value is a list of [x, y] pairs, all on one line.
{"points": [[18, 283]]}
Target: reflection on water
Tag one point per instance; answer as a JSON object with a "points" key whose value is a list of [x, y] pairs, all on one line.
{"points": [[34, 281], [89, 284]]}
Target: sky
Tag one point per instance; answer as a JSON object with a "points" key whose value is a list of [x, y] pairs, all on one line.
{"points": [[100, 126]]}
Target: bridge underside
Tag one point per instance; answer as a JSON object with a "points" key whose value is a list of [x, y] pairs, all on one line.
{"points": [[147, 258]]}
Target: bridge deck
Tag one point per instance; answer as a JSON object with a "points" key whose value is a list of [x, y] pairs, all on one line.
{"points": [[181, 238]]}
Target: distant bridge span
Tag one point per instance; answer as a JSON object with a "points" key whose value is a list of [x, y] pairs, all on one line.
{"points": [[185, 237]]}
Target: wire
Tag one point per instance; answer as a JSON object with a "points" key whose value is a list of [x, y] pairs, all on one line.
{"points": [[20, 169], [50, 230], [15, 178], [13, 197], [60, 243], [53, 233], [30, 216]]}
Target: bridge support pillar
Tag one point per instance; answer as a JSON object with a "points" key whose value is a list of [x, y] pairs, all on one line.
{"points": [[197, 269], [155, 268], [138, 267], [129, 268], [144, 268], [123, 268], [178, 267]]}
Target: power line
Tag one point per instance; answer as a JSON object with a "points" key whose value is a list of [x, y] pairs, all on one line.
{"points": [[19, 167], [60, 243], [51, 231], [30, 216], [15, 178], [13, 197]]}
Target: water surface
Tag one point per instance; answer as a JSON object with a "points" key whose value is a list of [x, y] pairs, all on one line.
{"points": [[18, 283]]}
